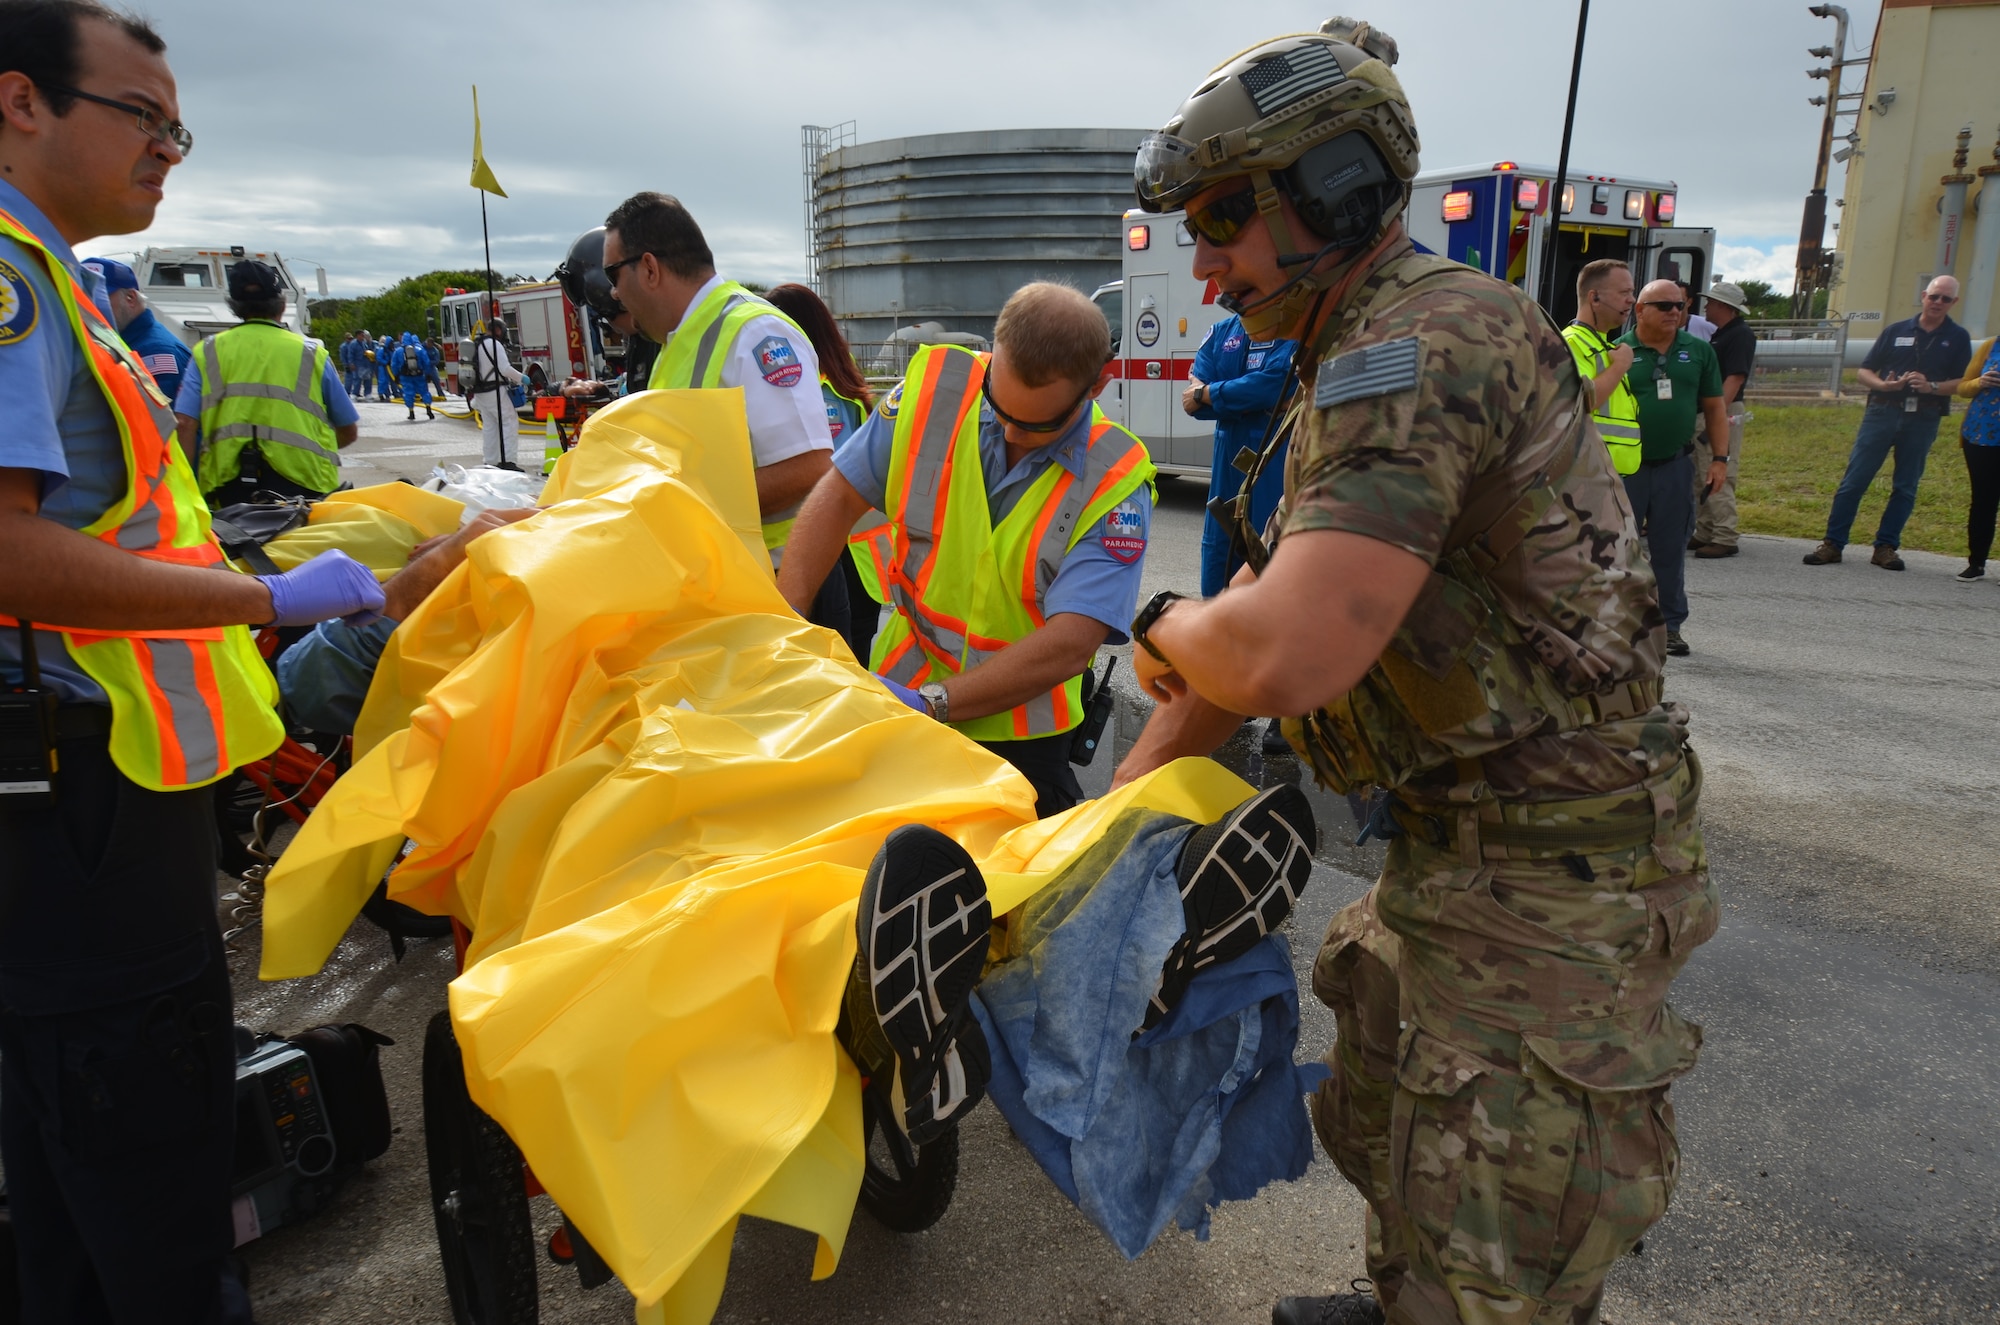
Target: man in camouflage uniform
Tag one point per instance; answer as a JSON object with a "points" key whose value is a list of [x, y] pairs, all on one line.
{"points": [[1483, 649]]}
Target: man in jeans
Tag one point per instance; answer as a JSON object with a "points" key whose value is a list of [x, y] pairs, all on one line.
{"points": [[1676, 379], [1910, 374]]}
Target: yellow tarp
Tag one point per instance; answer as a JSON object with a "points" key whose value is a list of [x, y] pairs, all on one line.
{"points": [[652, 791], [377, 526]]}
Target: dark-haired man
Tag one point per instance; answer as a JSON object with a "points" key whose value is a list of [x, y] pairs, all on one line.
{"points": [[715, 333], [260, 407], [1003, 585], [117, 1078]]}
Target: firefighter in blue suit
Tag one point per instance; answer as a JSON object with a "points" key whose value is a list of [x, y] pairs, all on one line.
{"points": [[411, 363], [1237, 382]]}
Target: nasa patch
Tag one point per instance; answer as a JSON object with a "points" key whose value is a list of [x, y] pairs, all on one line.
{"points": [[1125, 533], [778, 362], [1233, 344], [19, 310]]}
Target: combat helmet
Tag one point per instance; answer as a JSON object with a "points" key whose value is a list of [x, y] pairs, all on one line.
{"points": [[1319, 115]]}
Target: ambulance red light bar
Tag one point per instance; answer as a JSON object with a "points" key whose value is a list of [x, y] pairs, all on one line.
{"points": [[1528, 195], [1138, 237], [1635, 204], [1664, 209], [1458, 205], [1505, 165]]}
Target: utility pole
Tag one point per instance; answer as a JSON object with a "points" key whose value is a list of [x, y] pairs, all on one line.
{"points": [[1551, 242], [1813, 264]]}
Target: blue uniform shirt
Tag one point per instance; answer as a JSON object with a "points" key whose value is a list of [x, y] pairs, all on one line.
{"points": [[340, 409], [1095, 580], [159, 350], [53, 418], [1246, 378]]}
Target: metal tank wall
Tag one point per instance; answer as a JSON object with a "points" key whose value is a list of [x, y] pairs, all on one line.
{"points": [[943, 227]]}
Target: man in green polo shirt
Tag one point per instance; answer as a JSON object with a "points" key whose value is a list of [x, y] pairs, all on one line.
{"points": [[1674, 375]]}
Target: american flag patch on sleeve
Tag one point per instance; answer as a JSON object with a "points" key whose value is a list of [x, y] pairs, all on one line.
{"points": [[160, 363], [1372, 370]]}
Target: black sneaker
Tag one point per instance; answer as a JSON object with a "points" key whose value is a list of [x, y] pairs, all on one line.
{"points": [[1273, 741], [1972, 575], [923, 926], [1240, 877], [1357, 1308], [1676, 646]]}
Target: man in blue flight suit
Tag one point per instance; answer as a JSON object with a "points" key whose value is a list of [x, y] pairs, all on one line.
{"points": [[159, 350], [412, 365], [1237, 382], [385, 374]]}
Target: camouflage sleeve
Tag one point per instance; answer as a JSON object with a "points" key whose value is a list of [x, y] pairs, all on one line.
{"points": [[1396, 464]]}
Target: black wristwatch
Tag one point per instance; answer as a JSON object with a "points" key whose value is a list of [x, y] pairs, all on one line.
{"points": [[1154, 609]]}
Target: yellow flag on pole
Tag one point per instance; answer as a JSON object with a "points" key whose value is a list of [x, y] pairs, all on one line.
{"points": [[482, 174]]}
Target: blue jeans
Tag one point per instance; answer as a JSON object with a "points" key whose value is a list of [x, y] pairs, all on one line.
{"points": [[1663, 503], [1884, 428]]}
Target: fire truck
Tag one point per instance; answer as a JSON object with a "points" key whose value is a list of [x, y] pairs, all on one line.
{"points": [[1496, 218], [551, 339]]}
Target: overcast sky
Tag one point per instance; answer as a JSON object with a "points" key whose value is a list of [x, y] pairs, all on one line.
{"points": [[341, 135]]}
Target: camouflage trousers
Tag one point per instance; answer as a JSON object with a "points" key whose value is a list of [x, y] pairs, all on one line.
{"points": [[1715, 519], [1499, 1088]]}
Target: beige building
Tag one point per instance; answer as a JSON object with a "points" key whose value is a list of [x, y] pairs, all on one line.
{"points": [[1936, 69]]}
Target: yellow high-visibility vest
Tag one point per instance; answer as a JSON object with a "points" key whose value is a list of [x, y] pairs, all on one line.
{"points": [[1618, 422]]}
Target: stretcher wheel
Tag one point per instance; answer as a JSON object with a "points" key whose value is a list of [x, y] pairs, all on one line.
{"points": [[479, 1196], [906, 1199]]}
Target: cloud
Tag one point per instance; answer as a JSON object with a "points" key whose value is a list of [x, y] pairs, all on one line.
{"points": [[1741, 262]]}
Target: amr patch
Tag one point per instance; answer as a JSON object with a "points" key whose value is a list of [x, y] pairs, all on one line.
{"points": [[1124, 533], [19, 310], [778, 361]]}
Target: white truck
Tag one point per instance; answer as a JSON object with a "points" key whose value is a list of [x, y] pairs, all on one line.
{"points": [[189, 288], [551, 338], [1496, 218]]}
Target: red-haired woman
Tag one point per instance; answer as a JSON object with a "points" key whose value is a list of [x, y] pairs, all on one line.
{"points": [[848, 401]]}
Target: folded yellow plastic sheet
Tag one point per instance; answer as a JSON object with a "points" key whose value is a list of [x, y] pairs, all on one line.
{"points": [[651, 791], [377, 526]]}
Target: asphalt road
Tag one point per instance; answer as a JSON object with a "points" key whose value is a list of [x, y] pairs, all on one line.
{"points": [[1838, 1162]]}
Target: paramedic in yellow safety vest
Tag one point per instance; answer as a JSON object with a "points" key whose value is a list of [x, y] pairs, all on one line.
{"points": [[260, 408], [1017, 519], [1603, 302], [142, 687], [716, 333]]}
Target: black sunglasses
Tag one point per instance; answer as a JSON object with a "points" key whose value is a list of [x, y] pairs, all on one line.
{"points": [[1056, 424], [611, 268], [153, 124], [1221, 221], [1666, 305]]}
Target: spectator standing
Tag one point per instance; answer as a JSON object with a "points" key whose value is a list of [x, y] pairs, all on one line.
{"points": [[1693, 323], [1238, 382], [1603, 302], [160, 352], [1735, 347], [1910, 372], [1674, 377], [1979, 439]]}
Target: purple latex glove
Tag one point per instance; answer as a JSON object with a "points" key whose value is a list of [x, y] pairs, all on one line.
{"points": [[332, 584], [907, 695]]}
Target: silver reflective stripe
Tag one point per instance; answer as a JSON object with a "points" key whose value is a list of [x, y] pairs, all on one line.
{"points": [[935, 443], [1100, 460], [943, 641], [906, 669], [141, 529], [211, 375], [260, 432], [193, 726], [1616, 429], [705, 350], [1041, 711]]}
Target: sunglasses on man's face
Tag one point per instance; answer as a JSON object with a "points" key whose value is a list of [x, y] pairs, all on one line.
{"points": [[1221, 221], [1056, 424], [1946, 299], [1666, 305]]}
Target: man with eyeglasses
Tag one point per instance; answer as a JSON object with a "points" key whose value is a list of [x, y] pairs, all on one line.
{"points": [[1017, 521], [1456, 620], [128, 686], [1676, 380], [1911, 372]]}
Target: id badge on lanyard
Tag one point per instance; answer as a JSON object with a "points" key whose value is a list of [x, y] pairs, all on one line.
{"points": [[1663, 386]]}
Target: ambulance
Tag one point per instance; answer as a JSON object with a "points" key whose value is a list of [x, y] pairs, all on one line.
{"points": [[549, 339], [188, 289], [1496, 218]]}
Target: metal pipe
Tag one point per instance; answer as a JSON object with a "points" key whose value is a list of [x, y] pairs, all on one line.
{"points": [[1552, 239], [1951, 210], [1810, 264], [1977, 290]]}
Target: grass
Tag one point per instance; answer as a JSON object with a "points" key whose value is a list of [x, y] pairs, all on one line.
{"points": [[1794, 455]]}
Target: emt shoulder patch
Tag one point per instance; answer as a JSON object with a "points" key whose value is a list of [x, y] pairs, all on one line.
{"points": [[1124, 533], [19, 310], [1372, 370], [778, 361]]}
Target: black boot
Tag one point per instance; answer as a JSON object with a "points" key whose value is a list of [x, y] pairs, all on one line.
{"points": [[1357, 1308]]}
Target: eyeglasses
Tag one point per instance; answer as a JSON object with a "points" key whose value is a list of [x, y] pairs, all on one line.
{"points": [[1057, 424], [151, 123], [1946, 299], [1221, 221], [611, 268], [1666, 305]]}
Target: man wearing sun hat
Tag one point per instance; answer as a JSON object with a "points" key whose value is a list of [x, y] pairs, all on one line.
{"points": [[1735, 347]]}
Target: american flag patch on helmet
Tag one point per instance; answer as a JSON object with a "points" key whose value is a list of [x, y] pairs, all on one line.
{"points": [[1291, 76], [1372, 370]]}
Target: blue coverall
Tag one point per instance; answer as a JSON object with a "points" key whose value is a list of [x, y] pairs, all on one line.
{"points": [[415, 384], [1245, 379], [385, 374]]}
